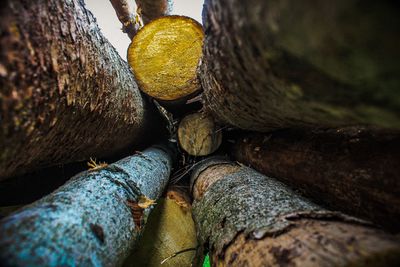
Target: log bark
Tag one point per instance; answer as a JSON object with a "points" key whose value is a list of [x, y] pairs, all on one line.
{"points": [[269, 65], [93, 220], [66, 95], [164, 56], [247, 219], [355, 170], [150, 10], [170, 230], [199, 135]]}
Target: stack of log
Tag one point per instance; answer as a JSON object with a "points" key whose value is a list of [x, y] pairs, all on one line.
{"points": [[268, 136]]}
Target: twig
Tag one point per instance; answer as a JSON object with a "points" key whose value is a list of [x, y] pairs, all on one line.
{"points": [[176, 254]]}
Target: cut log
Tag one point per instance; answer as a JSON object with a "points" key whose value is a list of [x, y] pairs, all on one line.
{"points": [[93, 220], [65, 93], [150, 10], [281, 64], [354, 170], [199, 135], [170, 236], [247, 219], [164, 56]]}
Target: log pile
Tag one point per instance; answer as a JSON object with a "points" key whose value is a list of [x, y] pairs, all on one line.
{"points": [[268, 136]]}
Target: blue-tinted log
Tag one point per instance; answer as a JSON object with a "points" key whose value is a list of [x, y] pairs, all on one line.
{"points": [[88, 221]]}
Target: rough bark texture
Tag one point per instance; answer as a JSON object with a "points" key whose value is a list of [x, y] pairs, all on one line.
{"points": [[90, 220], [169, 230], [354, 170], [280, 64], [126, 17], [65, 94], [247, 219], [199, 135], [153, 9]]}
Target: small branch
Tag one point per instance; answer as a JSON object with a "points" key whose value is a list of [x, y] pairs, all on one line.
{"points": [[176, 254], [154, 9], [129, 24]]}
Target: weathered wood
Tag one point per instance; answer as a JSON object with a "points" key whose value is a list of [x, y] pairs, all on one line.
{"points": [[124, 13], [170, 230], [281, 64], [164, 56], [247, 219], [93, 220], [355, 170], [150, 10], [199, 135], [65, 93]]}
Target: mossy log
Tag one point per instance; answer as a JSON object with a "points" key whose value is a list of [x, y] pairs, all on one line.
{"points": [[170, 236], [95, 219], [198, 134], [288, 64], [355, 170], [164, 56], [150, 10], [65, 93], [247, 219]]}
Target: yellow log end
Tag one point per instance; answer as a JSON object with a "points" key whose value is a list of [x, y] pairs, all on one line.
{"points": [[164, 56]]}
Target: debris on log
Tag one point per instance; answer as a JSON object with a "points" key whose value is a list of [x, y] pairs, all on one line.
{"points": [[150, 10], [247, 219], [355, 170], [95, 219], [199, 135], [170, 236], [164, 56], [283, 64], [66, 95]]}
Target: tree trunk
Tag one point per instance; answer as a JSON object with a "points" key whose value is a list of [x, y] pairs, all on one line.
{"points": [[354, 170], [170, 230], [247, 219], [94, 219], [65, 95], [281, 64], [150, 10]]}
